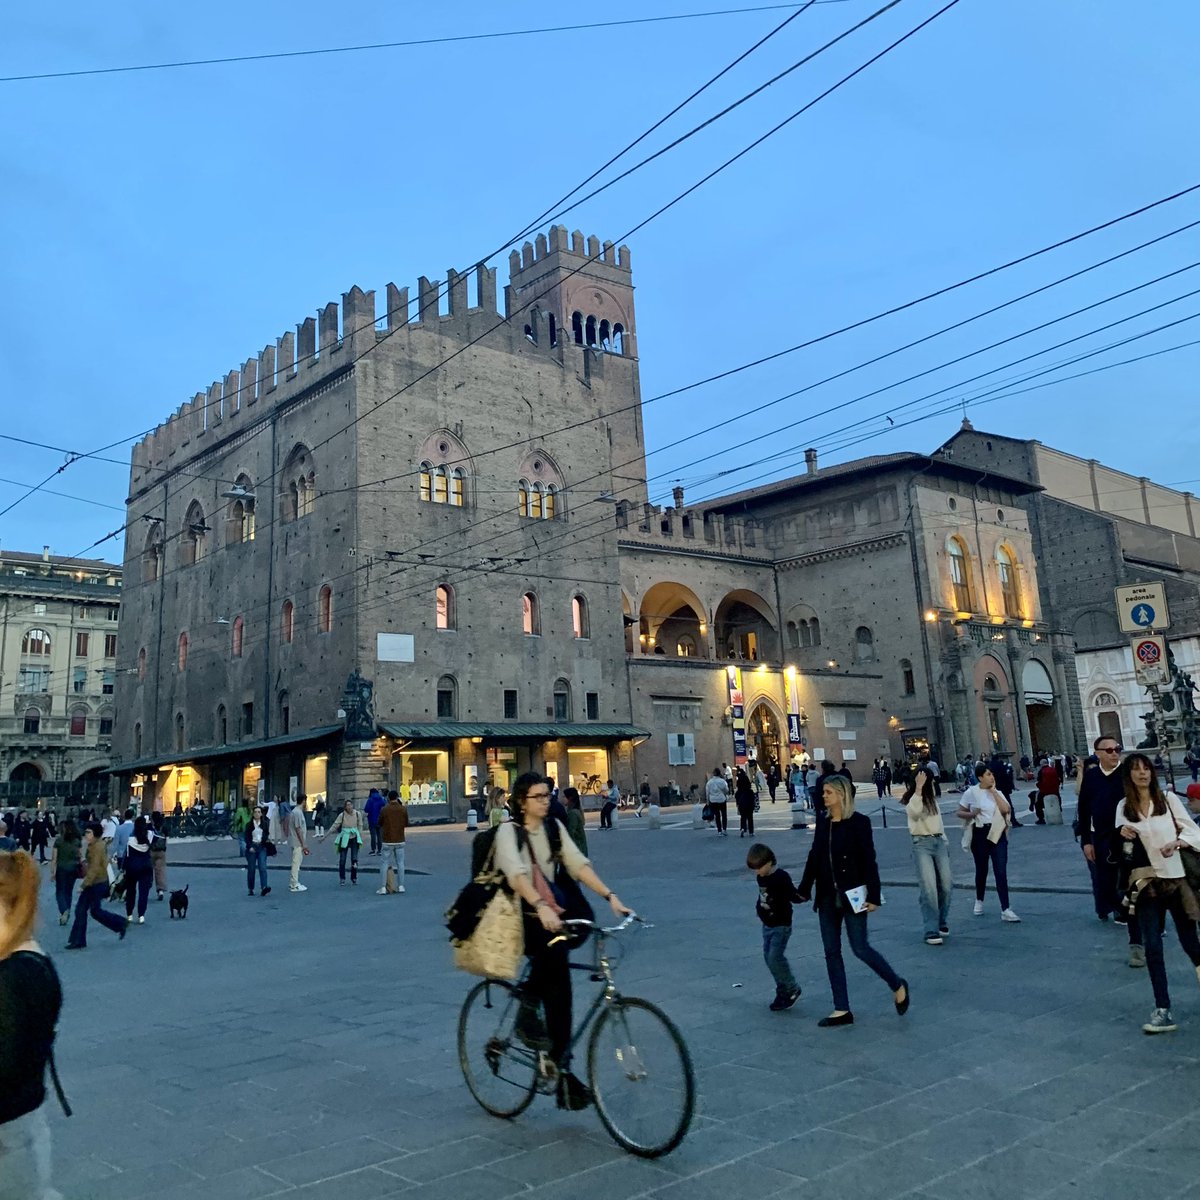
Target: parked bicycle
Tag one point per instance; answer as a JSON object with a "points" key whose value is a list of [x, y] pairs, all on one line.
{"points": [[638, 1066], [590, 785]]}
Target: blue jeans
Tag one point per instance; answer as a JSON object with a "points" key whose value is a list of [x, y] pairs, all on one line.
{"points": [[256, 857], [832, 919], [775, 941], [996, 853], [393, 856], [64, 887], [91, 903], [376, 838], [931, 853], [352, 846]]}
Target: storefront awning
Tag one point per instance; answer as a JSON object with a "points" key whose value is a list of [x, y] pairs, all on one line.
{"points": [[230, 750], [507, 733]]}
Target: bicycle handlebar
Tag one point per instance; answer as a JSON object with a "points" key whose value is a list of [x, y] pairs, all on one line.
{"points": [[631, 919]]}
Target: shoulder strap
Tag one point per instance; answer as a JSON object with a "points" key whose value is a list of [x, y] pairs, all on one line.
{"points": [[554, 838], [58, 1088]]}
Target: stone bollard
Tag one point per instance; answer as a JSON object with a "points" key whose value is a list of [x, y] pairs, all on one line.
{"points": [[654, 815], [698, 821], [799, 815], [472, 820], [1053, 806]]}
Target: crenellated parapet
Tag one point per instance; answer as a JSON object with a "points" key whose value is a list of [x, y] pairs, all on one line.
{"points": [[691, 530]]}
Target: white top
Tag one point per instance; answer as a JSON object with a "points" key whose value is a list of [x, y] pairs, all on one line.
{"points": [[1156, 832], [716, 790], [982, 804], [922, 823], [513, 861]]}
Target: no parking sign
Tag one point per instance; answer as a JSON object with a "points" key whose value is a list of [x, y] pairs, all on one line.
{"points": [[1150, 659]]}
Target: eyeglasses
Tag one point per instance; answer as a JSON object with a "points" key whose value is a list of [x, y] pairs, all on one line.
{"points": [[1108, 749], [537, 795]]}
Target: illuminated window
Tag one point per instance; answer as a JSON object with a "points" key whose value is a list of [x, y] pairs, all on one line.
{"points": [[579, 617], [444, 605], [960, 575], [531, 618], [287, 622], [1006, 568], [183, 651]]}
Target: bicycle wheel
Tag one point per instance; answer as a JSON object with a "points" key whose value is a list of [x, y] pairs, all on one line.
{"points": [[641, 1076], [500, 1071]]}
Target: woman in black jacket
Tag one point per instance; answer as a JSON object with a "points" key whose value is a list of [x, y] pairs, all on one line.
{"points": [[743, 796], [842, 859]]}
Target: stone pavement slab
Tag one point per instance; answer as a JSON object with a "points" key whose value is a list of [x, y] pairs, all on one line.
{"points": [[303, 1045]]}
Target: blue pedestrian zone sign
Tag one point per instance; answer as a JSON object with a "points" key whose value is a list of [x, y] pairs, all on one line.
{"points": [[1143, 615]]}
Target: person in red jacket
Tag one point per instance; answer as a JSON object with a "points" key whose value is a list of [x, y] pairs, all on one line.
{"points": [[1048, 784]]}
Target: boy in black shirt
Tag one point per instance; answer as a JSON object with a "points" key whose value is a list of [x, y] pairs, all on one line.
{"points": [[776, 892]]}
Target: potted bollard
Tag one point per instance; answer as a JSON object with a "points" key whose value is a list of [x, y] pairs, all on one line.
{"points": [[654, 814], [698, 821], [472, 820], [799, 816], [1053, 808]]}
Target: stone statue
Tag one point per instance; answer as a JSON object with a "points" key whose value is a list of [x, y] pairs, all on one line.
{"points": [[360, 715]]}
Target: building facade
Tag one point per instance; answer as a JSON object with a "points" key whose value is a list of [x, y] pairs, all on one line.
{"points": [[58, 662], [417, 551]]}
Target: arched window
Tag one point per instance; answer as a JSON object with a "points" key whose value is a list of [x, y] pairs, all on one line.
{"points": [[239, 523], [193, 543], [180, 744], [426, 473], [579, 617], [299, 485], [456, 486], [960, 575], [562, 700], [685, 646], [222, 725], [33, 720], [1105, 700], [141, 663], [137, 739], [183, 651], [618, 339], [793, 635], [79, 716], [447, 698], [548, 502], [864, 645], [577, 328], [1006, 568], [441, 487], [523, 497], [152, 552], [531, 617], [35, 643], [325, 609], [540, 488], [814, 628], [589, 334], [447, 618], [285, 713], [443, 476], [553, 325], [906, 672], [287, 622], [991, 683], [239, 630], [535, 501], [605, 334]]}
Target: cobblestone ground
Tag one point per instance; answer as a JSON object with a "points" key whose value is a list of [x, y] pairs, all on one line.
{"points": [[303, 1045]]}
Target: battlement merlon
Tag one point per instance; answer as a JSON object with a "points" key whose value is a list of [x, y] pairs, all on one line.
{"points": [[696, 529]]}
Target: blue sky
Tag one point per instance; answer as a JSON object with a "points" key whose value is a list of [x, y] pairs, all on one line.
{"points": [[161, 227]]}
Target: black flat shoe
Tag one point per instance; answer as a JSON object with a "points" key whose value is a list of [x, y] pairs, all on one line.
{"points": [[573, 1094], [74, 946], [902, 1005], [846, 1018]]}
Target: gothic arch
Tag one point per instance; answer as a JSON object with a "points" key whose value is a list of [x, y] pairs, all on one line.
{"points": [[672, 620]]}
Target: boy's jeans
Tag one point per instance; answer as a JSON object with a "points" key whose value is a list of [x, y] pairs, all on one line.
{"points": [[775, 940]]}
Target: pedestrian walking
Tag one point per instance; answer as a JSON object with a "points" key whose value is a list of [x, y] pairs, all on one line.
{"points": [[257, 846], [643, 796], [1163, 827], [776, 894], [66, 855], [760, 786], [1101, 792], [841, 877], [881, 777], [22, 831], [347, 834], [393, 829], [240, 821], [575, 824], [716, 796], [39, 835], [1048, 783], [158, 852], [987, 809], [612, 797], [320, 817], [297, 834], [120, 839], [139, 870], [743, 796], [931, 855], [93, 891], [371, 810], [497, 812], [30, 1001]]}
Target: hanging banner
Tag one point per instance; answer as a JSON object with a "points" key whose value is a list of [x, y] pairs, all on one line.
{"points": [[738, 707], [793, 712]]}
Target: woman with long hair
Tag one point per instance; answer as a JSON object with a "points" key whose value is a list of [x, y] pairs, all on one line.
{"points": [[65, 857], [30, 1000], [984, 805], [139, 870], [841, 867], [541, 864], [256, 837], [1163, 826], [576, 826], [931, 854], [347, 834], [743, 796]]}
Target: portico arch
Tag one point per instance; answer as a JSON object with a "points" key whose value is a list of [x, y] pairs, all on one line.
{"points": [[672, 622], [746, 627]]}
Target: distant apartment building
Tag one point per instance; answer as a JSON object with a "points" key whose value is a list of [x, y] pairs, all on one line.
{"points": [[58, 675]]}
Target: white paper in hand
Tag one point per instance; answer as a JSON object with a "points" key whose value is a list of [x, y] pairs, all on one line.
{"points": [[857, 898]]}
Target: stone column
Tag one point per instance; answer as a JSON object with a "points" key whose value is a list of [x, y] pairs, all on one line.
{"points": [[359, 770]]}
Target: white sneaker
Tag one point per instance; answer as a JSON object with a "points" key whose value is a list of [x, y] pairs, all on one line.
{"points": [[1009, 915], [978, 908], [381, 891], [400, 888], [1160, 1021], [297, 887], [129, 919], [141, 920]]}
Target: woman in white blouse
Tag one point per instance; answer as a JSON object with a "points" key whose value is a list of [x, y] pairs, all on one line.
{"points": [[990, 815], [530, 863], [1164, 826]]}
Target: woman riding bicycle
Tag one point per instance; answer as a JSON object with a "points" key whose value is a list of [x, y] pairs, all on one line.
{"points": [[525, 856]]}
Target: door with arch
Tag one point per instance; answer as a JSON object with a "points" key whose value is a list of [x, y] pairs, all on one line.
{"points": [[763, 735]]}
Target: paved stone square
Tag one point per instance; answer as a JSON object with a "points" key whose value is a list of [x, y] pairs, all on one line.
{"points": [[303, 1045]]}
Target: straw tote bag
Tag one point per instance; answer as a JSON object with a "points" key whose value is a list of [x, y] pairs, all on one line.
{"points": [[496, 947]]}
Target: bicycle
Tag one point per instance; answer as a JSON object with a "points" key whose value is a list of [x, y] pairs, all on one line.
{"points": [[590, 785], [638, 1066]]}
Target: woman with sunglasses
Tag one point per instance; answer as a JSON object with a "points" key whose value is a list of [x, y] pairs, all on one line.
{"points": [[1163, 827]]}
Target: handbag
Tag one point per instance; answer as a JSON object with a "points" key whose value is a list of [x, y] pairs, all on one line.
{"points": [[270, 849], [496, 946], [706, 813], [1189, 858], [465, 913]]}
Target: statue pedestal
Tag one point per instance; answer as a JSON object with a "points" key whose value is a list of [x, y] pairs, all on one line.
{"points": [[361, 770]]}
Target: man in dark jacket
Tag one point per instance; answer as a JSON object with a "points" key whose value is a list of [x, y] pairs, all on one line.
{"points": [[1100, 792], [372, 809]]}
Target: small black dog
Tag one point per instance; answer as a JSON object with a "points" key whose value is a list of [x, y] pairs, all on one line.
{"points": [[179, 902]]}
